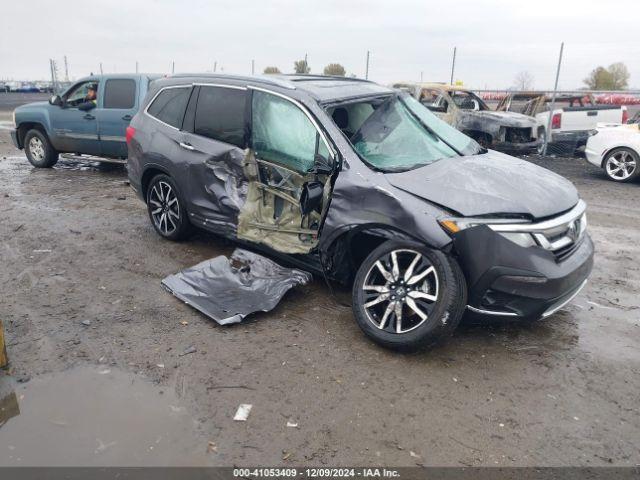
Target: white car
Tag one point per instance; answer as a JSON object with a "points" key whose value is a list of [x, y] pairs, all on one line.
{"points": [[616, 149]]}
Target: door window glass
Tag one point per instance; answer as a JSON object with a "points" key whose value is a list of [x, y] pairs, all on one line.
{"points": [[80, 93], [169, 106], [120, 93], [282, 133], [220, 114]]}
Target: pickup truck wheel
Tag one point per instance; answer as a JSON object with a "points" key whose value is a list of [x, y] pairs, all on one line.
{"points": [[166, 209], [622, 165], [39, 150], [407, 297]]}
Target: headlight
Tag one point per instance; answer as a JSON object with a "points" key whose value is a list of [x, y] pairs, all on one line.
{"points": [[454, 225]]}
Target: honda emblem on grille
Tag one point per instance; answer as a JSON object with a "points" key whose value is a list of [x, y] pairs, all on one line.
{"points": [[572, 231]]}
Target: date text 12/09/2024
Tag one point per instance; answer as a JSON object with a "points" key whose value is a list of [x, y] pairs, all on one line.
{"points": [[315, 473]]}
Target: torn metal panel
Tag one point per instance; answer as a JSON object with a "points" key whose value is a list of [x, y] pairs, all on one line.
{"points": [[229, 289]]}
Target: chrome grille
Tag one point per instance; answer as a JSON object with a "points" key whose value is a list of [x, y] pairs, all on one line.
{"points": [[560, 235]]}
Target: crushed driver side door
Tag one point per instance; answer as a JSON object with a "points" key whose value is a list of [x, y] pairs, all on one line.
{"points": [[286, 147]]}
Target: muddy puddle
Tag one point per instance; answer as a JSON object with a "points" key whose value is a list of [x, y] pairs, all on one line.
{"points": [[96, 416]]}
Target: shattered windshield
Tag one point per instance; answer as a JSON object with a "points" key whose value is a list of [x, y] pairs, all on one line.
{"points": [[398, 133]]}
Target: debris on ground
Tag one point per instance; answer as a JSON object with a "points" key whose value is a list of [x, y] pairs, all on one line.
{"points": [[86, 323], [187, 351], [243, 412], [229, 289], [212, 447], [292, 424]]}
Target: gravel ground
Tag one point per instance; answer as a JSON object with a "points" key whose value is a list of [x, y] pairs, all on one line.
{"points": [[77, 246]]}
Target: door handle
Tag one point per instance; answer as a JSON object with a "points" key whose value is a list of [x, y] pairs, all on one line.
{"points": [[127, 117], [88, 116], [187, 146]]}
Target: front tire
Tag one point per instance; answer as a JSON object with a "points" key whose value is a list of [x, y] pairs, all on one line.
{"points": [[622, 165], [408, 297], [39, 150], [166, 209]]}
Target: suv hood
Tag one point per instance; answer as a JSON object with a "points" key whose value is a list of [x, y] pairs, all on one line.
{"points": [[491, 183], [508, 119]]}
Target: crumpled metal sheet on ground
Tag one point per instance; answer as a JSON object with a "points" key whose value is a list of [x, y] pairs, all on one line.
{"points": [[229, 289]]}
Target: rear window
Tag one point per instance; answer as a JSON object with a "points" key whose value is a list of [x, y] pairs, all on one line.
{"points": [[169, 105], [220, 115], [120, 93]]}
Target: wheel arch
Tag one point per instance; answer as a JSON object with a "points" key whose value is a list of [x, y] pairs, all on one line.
{"points": [[347, 250], [149, 172], [24, 127], [617, 147]]}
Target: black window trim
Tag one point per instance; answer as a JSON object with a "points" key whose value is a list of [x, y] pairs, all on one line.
{"points": [[146, 109]]}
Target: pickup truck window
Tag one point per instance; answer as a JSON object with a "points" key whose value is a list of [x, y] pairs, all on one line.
{"points": [[78, 94], [169, 105], [120, 93], [220, 114]]}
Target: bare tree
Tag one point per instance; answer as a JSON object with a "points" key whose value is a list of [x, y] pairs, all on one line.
{"points": [[335, 69], [301, 66], [271, 70], [523, 81], [620, 74]]}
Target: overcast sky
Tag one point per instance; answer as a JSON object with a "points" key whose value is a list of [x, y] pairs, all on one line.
{"points": [[495, 40]]}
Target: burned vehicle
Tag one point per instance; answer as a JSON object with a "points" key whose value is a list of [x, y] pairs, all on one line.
{"points": [[505, 131], [361, 184]]}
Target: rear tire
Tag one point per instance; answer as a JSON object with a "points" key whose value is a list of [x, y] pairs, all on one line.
{"points": [[166, 208], [622, 165], [39, 150], [424, 303]]}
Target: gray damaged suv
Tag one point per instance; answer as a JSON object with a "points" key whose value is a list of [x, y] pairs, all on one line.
{"points": [[362, 184]]}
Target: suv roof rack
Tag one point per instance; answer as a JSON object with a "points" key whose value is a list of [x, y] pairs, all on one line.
{"points": [[275, 80], [308, 77]]}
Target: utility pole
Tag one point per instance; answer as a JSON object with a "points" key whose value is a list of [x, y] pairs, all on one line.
{"points": [[253, 67], [101, 72], [453, 64], [366, 71], [66, 69], [421, 77], [173, 67], [553, 102], [215, 66], [54, 75], [136, 66]]}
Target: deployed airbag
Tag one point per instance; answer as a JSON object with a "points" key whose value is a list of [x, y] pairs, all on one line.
{"points": [[229, 289]]}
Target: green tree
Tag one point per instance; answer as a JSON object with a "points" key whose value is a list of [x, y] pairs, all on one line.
{"points": [[272, 70], [616, 77], [301, 66], [335, 69]]}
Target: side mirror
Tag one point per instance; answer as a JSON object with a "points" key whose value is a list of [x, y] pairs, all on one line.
{"points": [[86, 106], [321, 165], [311, 197], [56, 100]]}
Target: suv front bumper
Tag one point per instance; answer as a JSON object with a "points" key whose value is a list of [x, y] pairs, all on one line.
{"points": [[508, 280], [510, 147]]}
